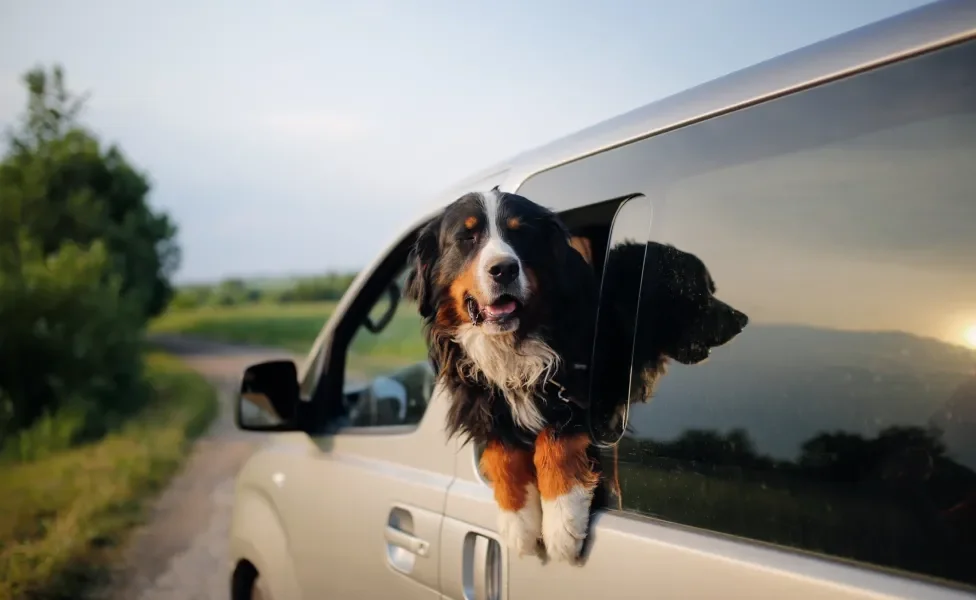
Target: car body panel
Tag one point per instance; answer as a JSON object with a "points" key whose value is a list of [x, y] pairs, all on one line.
{"points": [[335, 496]]}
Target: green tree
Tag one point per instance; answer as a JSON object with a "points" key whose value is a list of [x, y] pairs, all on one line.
{"points": [[232, 292], [84, 263], [67, 188], [313, 289]]}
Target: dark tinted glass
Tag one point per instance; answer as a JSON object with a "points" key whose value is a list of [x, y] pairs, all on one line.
{"points": [[842, 419]]}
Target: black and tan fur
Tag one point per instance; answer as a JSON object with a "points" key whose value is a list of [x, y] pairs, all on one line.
{"points": [[509, 300]]}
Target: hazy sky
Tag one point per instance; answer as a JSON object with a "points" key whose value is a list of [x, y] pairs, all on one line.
{"points": [[299, 136]]}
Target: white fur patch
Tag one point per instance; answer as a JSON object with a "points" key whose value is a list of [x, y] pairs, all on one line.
{"points": [[565, 520], [496, 248], [517, 371], [520, 530]]}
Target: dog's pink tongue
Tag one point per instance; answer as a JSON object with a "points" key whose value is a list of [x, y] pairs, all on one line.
{"points": [[500, 309]]}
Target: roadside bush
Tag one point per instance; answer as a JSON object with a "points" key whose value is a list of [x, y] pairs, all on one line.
{"points": [[71, 343], [64, 517], [84, 263]]}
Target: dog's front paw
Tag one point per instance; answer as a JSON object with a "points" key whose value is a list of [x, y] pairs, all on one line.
{"points": [[520, 530], [565, 520]]}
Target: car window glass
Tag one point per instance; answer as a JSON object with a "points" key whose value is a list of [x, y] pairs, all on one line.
{"points": [[842, 419], [388, 379]]}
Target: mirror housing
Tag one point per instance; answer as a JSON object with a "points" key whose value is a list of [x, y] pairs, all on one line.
{"points": [[269, 397]]}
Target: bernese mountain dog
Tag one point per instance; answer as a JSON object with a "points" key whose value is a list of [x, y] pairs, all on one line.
{"points": [[509, 303]]}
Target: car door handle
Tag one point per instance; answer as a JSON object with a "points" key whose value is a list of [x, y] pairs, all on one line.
{"points": [[472, 562], [410, 543], [482, 568]]}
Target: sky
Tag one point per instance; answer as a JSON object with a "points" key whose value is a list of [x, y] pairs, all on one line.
{"points": [[297, 137]]}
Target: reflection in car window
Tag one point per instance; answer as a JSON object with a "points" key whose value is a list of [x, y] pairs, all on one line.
{"points": [[842, 419], [388, 378]]}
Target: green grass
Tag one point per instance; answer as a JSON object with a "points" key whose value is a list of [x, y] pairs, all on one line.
{"points": [[288, 326], [295, 326], [399, 345], [63, 516]]}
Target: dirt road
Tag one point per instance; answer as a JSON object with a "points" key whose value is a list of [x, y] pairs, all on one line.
{"points": [[181, 553]]}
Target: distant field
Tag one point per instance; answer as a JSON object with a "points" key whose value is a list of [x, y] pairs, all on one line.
{"points": [[295, 326], [289, 326], [399, 345]]}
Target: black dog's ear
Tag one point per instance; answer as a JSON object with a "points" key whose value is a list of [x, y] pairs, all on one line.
{"points": [[423, 255]]}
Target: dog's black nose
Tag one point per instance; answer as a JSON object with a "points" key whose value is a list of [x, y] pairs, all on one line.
{"points": [[504, 271]]}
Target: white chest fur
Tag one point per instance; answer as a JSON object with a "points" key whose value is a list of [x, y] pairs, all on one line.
{"points": [[516, 369]]}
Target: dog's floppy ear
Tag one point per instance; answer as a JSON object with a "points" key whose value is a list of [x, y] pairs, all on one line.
{"points": [[583, 246], [423, 255], [575, 287]]}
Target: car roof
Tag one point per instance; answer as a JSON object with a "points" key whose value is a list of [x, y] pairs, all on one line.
{"points": [[902, 35]]}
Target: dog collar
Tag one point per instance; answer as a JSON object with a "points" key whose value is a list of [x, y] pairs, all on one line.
{"points": [[561, 392]]}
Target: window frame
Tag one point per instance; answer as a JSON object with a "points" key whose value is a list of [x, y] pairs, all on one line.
{"points": [[622, 202], [326, 371]]}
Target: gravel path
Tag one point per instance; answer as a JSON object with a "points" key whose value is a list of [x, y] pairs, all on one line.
{"points": [[181, 552]]}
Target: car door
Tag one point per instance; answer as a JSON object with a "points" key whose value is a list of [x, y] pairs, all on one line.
{"points": [[827, 450], [364, 509]]}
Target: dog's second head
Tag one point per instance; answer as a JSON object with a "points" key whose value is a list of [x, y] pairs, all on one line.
{"points": [[681, 317]]}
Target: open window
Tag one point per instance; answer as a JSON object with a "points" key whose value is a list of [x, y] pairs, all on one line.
{"points": [[372, 370], [387, 378]]}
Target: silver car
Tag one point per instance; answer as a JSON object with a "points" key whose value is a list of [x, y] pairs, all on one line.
{"points": [[829, 451]]}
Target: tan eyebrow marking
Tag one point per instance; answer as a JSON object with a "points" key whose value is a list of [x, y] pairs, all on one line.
{"points": [[514, 223], [471, 222]]}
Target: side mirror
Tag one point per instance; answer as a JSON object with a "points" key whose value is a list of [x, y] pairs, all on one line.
{"points": [[269, 397]]}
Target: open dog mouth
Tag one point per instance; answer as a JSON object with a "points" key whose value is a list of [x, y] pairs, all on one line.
{"points": [[504, 308]]}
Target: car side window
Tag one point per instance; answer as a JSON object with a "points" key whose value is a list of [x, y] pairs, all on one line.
{"points": [[388, 380], [840, 223]]}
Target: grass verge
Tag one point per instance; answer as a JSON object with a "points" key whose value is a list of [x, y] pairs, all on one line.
{"points": [[62, 517]]}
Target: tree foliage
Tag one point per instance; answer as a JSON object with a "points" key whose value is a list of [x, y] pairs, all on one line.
{"points": [[236, 291], [313, 289], [84, 263]]}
